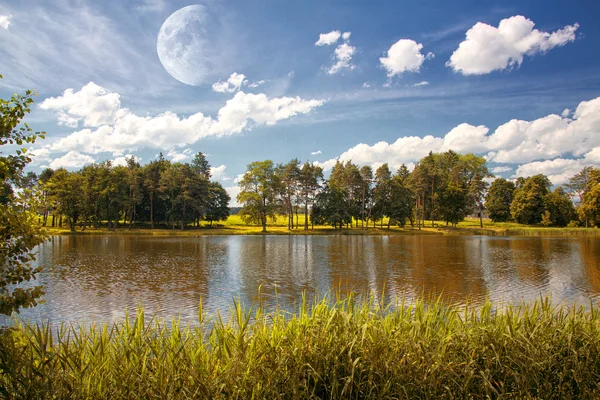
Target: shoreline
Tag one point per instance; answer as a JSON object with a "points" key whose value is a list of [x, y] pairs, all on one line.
{"points": [[320, 231]]}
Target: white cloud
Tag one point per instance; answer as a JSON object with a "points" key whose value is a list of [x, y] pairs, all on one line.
{"points": [[314, 153], [238, 178], [558, 170], [256, 84], [366, 85], [500, 170], [233, 191], [218, 173], [487, 48], [422, 83], [180, 156], [566, 112], [93, 104], [403, 56], [122, 160], [533, 144], [72, 159], [232, 84], [5, 21], [343, 58], [118, 130], [327, 39], [346, 35], [152, 6]]}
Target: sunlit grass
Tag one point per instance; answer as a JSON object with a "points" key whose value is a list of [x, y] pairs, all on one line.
{"points": [[234, 225], [348, 349]]}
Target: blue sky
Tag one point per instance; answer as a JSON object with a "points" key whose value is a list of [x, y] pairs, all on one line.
{"points": [[517, 82]]}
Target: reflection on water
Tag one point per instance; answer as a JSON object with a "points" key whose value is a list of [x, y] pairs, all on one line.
{"points": [[96, 278]]}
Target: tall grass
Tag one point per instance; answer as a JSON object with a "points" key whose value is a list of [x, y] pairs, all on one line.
{"points": [[346, 349]]}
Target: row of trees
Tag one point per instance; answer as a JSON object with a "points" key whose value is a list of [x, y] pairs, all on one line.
{"points": [[160, 192], [444, 186]]}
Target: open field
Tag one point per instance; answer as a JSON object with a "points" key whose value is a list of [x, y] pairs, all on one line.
{"points": [[345, 349], [235, 226]]}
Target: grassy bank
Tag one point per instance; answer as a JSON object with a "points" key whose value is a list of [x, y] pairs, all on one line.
{"points": [[235, 226], [345, 350]]}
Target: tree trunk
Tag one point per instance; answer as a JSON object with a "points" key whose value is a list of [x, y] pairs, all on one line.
{"points": [[306, 213], [151, 210], [480, 215], [183, 216]]}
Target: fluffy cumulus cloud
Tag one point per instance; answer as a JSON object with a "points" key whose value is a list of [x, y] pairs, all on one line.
{"points": [[501, 169], [488, 48], [92, 105], [180, 156], [342, 56], [422, 83], [5, 21], [232, 84], [554, 145], [71, 160], [403, 56], [122, 160], [110, 128], [218, 173], [327, 39]]}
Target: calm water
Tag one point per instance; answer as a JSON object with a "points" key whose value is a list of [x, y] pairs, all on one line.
{"points": [[96, 278]]}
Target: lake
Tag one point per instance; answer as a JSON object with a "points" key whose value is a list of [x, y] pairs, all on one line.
{"points": [[97, 278]]}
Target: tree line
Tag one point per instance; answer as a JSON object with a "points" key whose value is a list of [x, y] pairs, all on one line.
{"points": [[159, 193], [444, 187]]}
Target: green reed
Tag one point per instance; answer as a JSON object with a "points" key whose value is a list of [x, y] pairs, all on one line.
{"points": [[342, 349]]}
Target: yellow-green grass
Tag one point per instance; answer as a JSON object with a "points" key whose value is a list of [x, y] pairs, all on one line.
{"points": [[234, 225], [348, 349]]}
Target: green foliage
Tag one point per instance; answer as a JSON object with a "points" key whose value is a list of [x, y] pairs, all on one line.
{"points": [[348, 349], [560, 207], [331, 208], [19, 230], [217, 208], [258, 193], [529, 204], [498, 200], [590, 206]]}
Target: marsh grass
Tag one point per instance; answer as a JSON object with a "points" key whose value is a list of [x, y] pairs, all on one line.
{"points": [[342, 349]]}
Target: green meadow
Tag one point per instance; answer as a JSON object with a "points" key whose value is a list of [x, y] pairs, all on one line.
{"points": [[234, 225]]}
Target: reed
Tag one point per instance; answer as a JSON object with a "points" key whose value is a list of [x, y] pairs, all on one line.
{"points": [[348, 348]]}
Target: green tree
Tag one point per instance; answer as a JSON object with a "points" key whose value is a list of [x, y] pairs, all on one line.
{"points": [[578, 185], [589, 210], [218, 203], [331, 208], [382, 192], [258, 193], [309, 184], [19, 230], [529, 204], [402, 198], [498, 200], [560, 207], [366, 175]]}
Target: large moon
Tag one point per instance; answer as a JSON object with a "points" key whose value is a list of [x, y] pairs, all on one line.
{"points": [[188, 45]]}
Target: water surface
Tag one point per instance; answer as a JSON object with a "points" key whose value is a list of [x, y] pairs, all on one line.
{"points": [[98, 278]]}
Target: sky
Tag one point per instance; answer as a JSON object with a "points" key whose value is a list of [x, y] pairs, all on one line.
{"points": [[372, 82]]}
